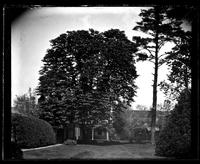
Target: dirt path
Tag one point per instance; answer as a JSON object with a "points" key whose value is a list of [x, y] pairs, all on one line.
{"points": [[123, 151]]}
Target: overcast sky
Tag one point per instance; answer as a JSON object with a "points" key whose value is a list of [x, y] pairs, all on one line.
{"points": [[33, 30]]}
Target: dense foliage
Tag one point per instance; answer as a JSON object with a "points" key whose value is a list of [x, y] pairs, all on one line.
{"points": [[175, 138], [85, 74], [31, 132]]}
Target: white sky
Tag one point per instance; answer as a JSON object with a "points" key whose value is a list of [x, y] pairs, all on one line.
{"points": [[32, 31]]}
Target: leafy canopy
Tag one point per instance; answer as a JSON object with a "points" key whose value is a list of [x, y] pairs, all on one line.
{"points": [[85, 74]]}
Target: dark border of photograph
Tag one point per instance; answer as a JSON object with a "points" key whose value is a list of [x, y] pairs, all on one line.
{"points": [[12, 10]]}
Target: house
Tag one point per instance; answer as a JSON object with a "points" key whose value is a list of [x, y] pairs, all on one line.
{"points": [[75, 132], [102, 132]]}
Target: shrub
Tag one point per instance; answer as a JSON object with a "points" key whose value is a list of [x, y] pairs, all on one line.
{"points": [[140, 134], [110, 143], [32, 132], [175, 138], [90, 142], [70, 142]]}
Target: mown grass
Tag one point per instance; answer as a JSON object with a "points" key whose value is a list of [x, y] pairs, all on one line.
{"points": [[122, 151]]}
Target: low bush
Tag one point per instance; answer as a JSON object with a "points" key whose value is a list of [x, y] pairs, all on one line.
{"points": [[70, 142], [31, 132], [111, 143], [140, 134], [90, 142], [175, 138]]}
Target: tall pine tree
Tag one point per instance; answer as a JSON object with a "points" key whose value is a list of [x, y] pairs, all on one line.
{"points": [[160, 30]]}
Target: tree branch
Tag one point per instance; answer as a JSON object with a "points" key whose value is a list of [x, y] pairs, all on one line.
{"points": [[147, 50], [161, 55], [160, 45], [150, 51], [152, 61], [160, 64]]}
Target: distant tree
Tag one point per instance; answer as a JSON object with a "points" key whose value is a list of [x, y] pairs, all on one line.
{"points": [[26, 104], [85, 74], [127, 120], [160, 30], [123, 123], [166, 106], [130, 123], [118, 120], [141, 107]]}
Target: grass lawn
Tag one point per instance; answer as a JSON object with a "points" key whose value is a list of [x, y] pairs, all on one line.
{"points": [[122, 151]]}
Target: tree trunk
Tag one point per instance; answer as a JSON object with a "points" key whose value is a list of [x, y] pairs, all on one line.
{"points": [[186, 77], [153, 111], [155, 81]]}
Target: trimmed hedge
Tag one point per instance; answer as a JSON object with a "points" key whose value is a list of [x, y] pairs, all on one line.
{"points": [[175, 139], [30, 132]]}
